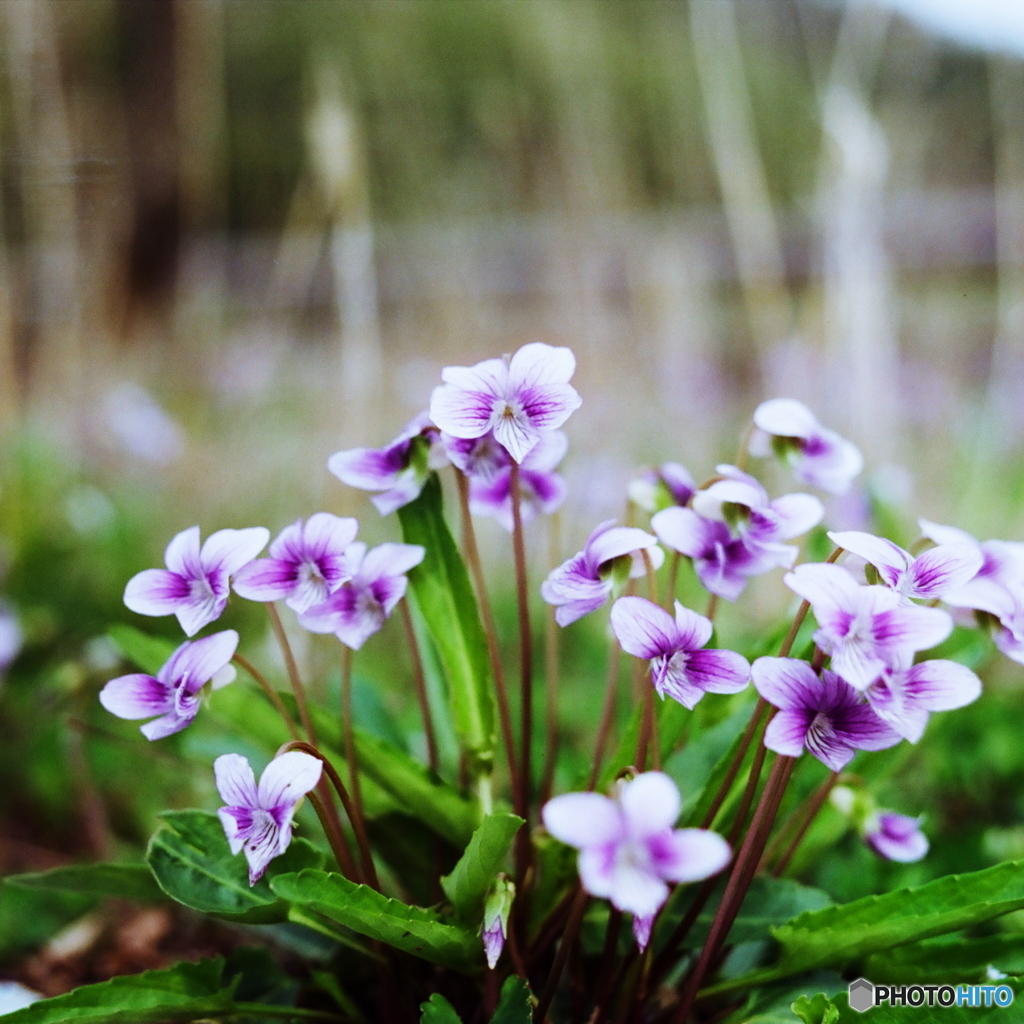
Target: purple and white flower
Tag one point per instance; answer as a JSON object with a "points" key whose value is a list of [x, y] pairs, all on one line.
{"points": [[173, 694], [933, 574], [722, 562], [816, 456], [904, 697], [680, 668], [494, 928], [826, 716], [399, 469], [896, 837], [258, 819], [654, 489], [307, 563], [518, 399], [583, 583], [489, 468], [738, 500], [866, 630], [629, 850], [195, 584], [358, 608]]}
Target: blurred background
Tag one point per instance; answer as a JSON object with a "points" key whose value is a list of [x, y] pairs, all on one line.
{"points": [[238, 236]]}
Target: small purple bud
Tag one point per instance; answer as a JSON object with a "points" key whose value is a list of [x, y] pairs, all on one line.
{"points": [[896, 837], [642, 924]]}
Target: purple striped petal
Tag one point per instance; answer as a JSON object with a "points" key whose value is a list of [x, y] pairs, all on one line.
{"points": [[464, 413], [204, 607], [266, 579], [288, 778], [516, 433], [943, 569], [686, 532], [167, 725], [182, 554], [408, 486], [370, 469], [236, 822], [196, 662], [786, 683], [226, 551], [939, 685], [787, 732], [156, 592], [670, 677], [489, 376], [828, 588], [390, 560], [388, 591], [615, 542], [326, 535], [912, 628], [643, 629], [236, 782], [796, 514], [136, 696], [569, 612], [892, 562], [823, 743], [718, 671], [694, 630], [538, 364]]}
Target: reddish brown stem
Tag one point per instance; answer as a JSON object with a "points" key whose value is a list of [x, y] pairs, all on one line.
{"points": [[525, 651], [673, 576], [572, 928], [551, 676], [421, 686], [712, 607], [271, 693], [358, 819], [293, 671], [607, 712], [815, 805], [730, 775]]}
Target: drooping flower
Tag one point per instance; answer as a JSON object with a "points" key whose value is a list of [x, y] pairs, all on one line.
{"points": [[904, 697], [173, 694], [935, 573], [195, 584], [722, 562], [518, 399], [489, 468], [307, 563], [497, 909], [896, 837], [825, 716], [583, 583], [358, 608], [866, 630], [258, 819], [654, 489], [628, 847], [399, 469], [680, 667], [816, 456]]}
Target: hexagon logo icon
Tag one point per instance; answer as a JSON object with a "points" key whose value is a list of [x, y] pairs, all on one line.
{"points": [[861, 995]]}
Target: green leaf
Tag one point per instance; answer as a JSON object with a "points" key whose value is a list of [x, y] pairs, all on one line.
{"points": [[190, 857], [473, 875], [180, 993], [364, 910], [445, 598], [818, 1009], [838, 935], [769, 902], [28, 917], [437, 1010], [148, 652], [121, 881], [947, 960], [514, 1007]]}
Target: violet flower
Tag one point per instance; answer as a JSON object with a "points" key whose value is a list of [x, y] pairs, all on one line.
{"points": [[583, 583], [399, 469], [642, 925], [628, 847], [358, 608], [865, 629], [195, 586], [258, 819], [11, 637], [816, 456], [654, 489], [173, 693], [826, 716], [933, 574], [722, 562], [904, 697], [518, 399], [307, 563], [489, 468], [494, 927], [742, 503], [896, 837], [680, 668]]}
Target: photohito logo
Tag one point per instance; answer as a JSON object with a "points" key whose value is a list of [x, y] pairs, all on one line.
{"points": [[863, 995]]}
